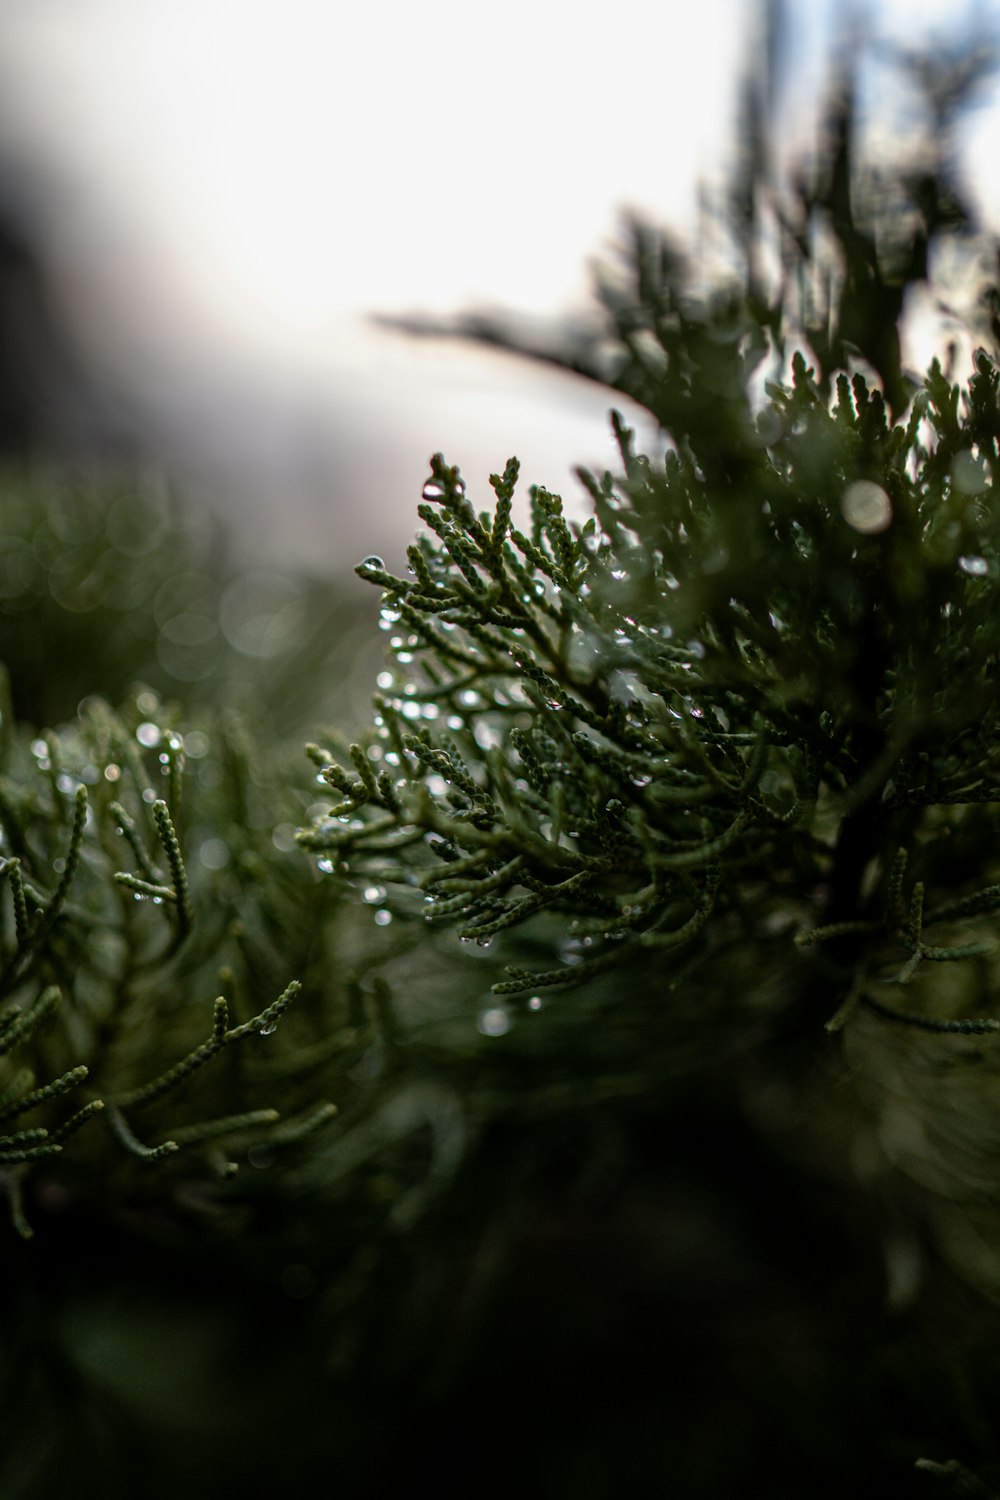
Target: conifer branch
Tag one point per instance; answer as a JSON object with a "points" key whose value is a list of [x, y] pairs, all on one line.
{"points": [[263, 1025], [11, 871], [127, 828], [42, 927], [17, 1026], [77, 1121], [42, 1095], [124, 1134], [175, 861]]}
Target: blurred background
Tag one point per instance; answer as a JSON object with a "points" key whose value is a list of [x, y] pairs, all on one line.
{"points": [[203, 203]]}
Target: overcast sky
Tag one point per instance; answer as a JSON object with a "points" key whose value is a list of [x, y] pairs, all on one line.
{"points": [[229, 186]]}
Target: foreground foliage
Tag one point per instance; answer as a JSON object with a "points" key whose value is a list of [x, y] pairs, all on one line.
{"points": [[735, 703]]}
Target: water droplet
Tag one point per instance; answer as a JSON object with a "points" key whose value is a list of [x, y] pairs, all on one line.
{"points": [[969, 474], [372, 561], [483, 942], [148, 734], [374, 893], [535, 1003], [976, 567], [112, 773], [326, 865], [214, 854], [267, 1028], [494, 1022], [432, 490], [383, 917], [138, 896], [39, 749], [866, 506]]}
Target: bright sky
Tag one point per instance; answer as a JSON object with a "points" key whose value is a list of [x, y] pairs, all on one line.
{"points": [[230, 184], [281, 162]]}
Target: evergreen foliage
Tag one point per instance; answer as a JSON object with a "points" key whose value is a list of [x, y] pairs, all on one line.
{"points": [[107, 1001], [755, 688], [707, 786], [745, 693]]}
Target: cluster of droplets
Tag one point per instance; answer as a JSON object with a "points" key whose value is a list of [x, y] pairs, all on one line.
{"points": [[497, 1020], [374, 895], [66, 783], [40, 751], [168, 743], [466, 937]]}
